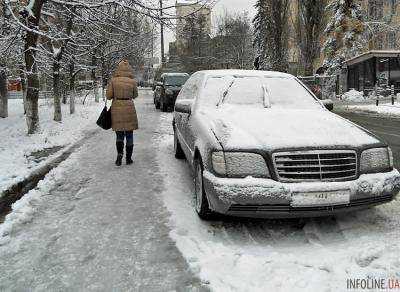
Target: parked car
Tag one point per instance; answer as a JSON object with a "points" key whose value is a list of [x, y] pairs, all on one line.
{"points": [[167, 89], [262, 145]]}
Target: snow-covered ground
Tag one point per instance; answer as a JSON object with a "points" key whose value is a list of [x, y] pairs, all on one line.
{"points": [[16, 147], [384, 109], [278, 255], [90, 226]]}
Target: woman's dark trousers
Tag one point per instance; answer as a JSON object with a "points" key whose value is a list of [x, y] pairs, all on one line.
{"points": [[121, 136]]}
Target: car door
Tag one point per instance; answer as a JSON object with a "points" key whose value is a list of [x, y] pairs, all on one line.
{"points": [[188, 94], [187, 125]]}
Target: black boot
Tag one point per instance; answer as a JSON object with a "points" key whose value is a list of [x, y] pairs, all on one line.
{"points": [[129, 151], [120, 151]]}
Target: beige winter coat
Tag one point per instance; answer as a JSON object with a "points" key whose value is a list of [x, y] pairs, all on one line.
{"points": [[122, 89]]}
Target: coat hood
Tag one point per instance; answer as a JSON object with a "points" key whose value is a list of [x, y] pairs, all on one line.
{"points": [[276, 129], [124, 69]]}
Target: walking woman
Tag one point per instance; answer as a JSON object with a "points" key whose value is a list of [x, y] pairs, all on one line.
{"points": [[122, 90]]}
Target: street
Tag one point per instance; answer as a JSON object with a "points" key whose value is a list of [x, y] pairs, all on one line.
{"points": [[103, 228], [387, 129]]}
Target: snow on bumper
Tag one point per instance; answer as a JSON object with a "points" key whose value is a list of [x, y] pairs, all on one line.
{"points": [[225, 192]]}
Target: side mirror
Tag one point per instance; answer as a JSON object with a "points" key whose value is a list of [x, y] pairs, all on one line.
{"points": [[328, 103], [183, 107]]}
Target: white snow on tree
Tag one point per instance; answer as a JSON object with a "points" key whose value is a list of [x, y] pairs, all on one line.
{"points": [[344, 31]]}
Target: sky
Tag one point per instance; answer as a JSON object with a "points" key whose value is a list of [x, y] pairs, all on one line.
{"points": [[222, 5]]}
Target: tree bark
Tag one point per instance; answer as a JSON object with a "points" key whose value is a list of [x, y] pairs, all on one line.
{"points": [[23, 85], [3, 93], [95, 87], [57, 91], [72, 87], [32, 93]]}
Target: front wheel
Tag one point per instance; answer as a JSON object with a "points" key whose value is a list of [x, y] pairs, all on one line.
{"points": [[201, 202]]}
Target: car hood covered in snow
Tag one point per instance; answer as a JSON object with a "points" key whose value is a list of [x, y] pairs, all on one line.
{"points": [[273, 129]]}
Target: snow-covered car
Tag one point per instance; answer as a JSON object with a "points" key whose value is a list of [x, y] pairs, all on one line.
{"points": [[262, 145]]}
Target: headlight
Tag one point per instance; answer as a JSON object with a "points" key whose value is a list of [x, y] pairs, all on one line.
{"points": [[376, 160], [169, 91], [239, 164]]}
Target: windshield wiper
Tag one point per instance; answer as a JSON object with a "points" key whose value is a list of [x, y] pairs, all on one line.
{"points": [[267, 101], [225, 93]]}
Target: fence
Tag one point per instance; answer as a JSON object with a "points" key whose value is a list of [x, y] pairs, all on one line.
{"points": [[19, 95]]}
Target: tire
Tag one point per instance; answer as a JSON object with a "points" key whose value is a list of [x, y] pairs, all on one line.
{"points": [[157, 105], [179, 154], [200, 198]]}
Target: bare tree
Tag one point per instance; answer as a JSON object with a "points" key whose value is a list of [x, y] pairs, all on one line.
{"points": [[195, 53], [61, 38], [31, 16], [271, 30], [309, 23], [232, 45]]}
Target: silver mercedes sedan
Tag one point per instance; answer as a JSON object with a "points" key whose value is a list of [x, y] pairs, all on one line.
{"points": [[262, 145]]}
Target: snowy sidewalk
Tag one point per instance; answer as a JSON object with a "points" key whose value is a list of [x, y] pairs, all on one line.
{"points": [[91, 226]]}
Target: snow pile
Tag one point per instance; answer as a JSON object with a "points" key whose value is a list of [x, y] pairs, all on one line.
{"points": [[354, 95], [386, 109], [24, 209], [16, 147]]}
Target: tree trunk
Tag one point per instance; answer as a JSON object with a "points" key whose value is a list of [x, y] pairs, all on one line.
{"points": [[32, 93], [23, 86], [72, 87], [95, 87], [103, 78], [64, 99], [3, 93], [57, 91]]}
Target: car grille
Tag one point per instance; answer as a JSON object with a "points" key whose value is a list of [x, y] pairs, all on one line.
{"points": [[322, 165]]}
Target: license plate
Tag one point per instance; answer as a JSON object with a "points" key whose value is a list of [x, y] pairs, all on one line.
{"points": [[320, 198]]}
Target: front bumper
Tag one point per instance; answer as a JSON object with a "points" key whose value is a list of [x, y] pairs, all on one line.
{"points": [[266, 198]]}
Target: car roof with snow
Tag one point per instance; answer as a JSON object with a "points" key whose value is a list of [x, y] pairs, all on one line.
{"points": [[174, 74], [209, 73]]}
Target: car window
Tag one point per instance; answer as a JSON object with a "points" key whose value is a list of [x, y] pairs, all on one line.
{"points": [[240, 90], [191, 88], [276, 92], [289, 93], [176, 80]]}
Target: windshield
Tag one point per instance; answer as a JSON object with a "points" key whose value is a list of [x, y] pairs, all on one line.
{"points": [[176, 80], [275, 92]]}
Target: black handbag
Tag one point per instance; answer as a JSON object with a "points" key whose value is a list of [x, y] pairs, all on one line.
{"points": [[104, 121]]}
